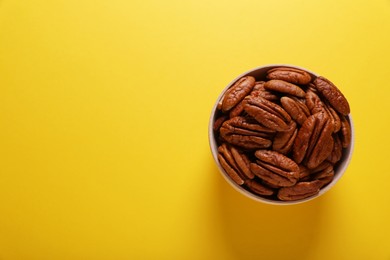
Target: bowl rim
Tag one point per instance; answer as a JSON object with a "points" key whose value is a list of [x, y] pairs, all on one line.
{"points": [[341, 168]]}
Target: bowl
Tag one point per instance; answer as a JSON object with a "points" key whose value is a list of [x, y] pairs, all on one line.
{"points": [[260, 74]]}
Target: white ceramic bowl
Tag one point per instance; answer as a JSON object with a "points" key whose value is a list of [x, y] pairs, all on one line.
{"points": [[260, 73]]}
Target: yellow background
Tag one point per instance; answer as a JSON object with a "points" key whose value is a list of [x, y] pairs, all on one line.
{"points": [[104, 109]]}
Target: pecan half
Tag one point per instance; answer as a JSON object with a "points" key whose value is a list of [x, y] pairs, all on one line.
{"points": [[323, 146], [230, 171], [304, 172], [260, 91], [295, 108], [337, 151], [235, 163], [325, 176], [299, 191], [259, 188], [237, 92], [346, 134], [238, 109], [321, 167], [312, 87], [314, 102], [333, 116], [219, 105], [332, 94], [316, 105], [246, 133], [292, 75], [284, 87], [267, 113], [270, 185], [219, 121], [302, 140], [275, 168], [314, 140], [242, 162], [283, 141]]}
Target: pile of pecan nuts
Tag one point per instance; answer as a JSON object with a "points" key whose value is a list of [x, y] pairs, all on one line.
{"points": [[280, 137]]}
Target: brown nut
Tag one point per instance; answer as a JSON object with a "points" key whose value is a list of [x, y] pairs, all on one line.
{"points": [[267, 113], [284, 87], [304, 172], [245, 133], [238, 109], [316, 105], [314, 140], [235, 163], [259, 91], [219, 121], [259, 188], [321, 167], [299, 191], [313, 102], [302, 140], [295, 108], [325, 176], [271, 175], [323, 146], [233, 174], [332, 94], [291, 75], [333, 116], [242, 162], [346, 134], [283, 141], [237, 92], [270, 185], [275, 168], [337, 151], [311, 87]]}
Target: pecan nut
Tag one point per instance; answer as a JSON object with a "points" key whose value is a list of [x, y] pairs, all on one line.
{"points": [[322, 147], [284, 87], [314, 102], [321, 167], [332, 94], [275, 168], [242, 162], [314, 140], [346, 134], [336, 121], [219, 121], [301, 143], [291, 75], [237, 92], [245, 133], [296, 108], [229, 170], [283, 141], [304, 172], [325, 176], [337, 151], [299, 191], [238, 109], [235, 163], [259, 188], [316, 105], [260, 91], [267, 113]]}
